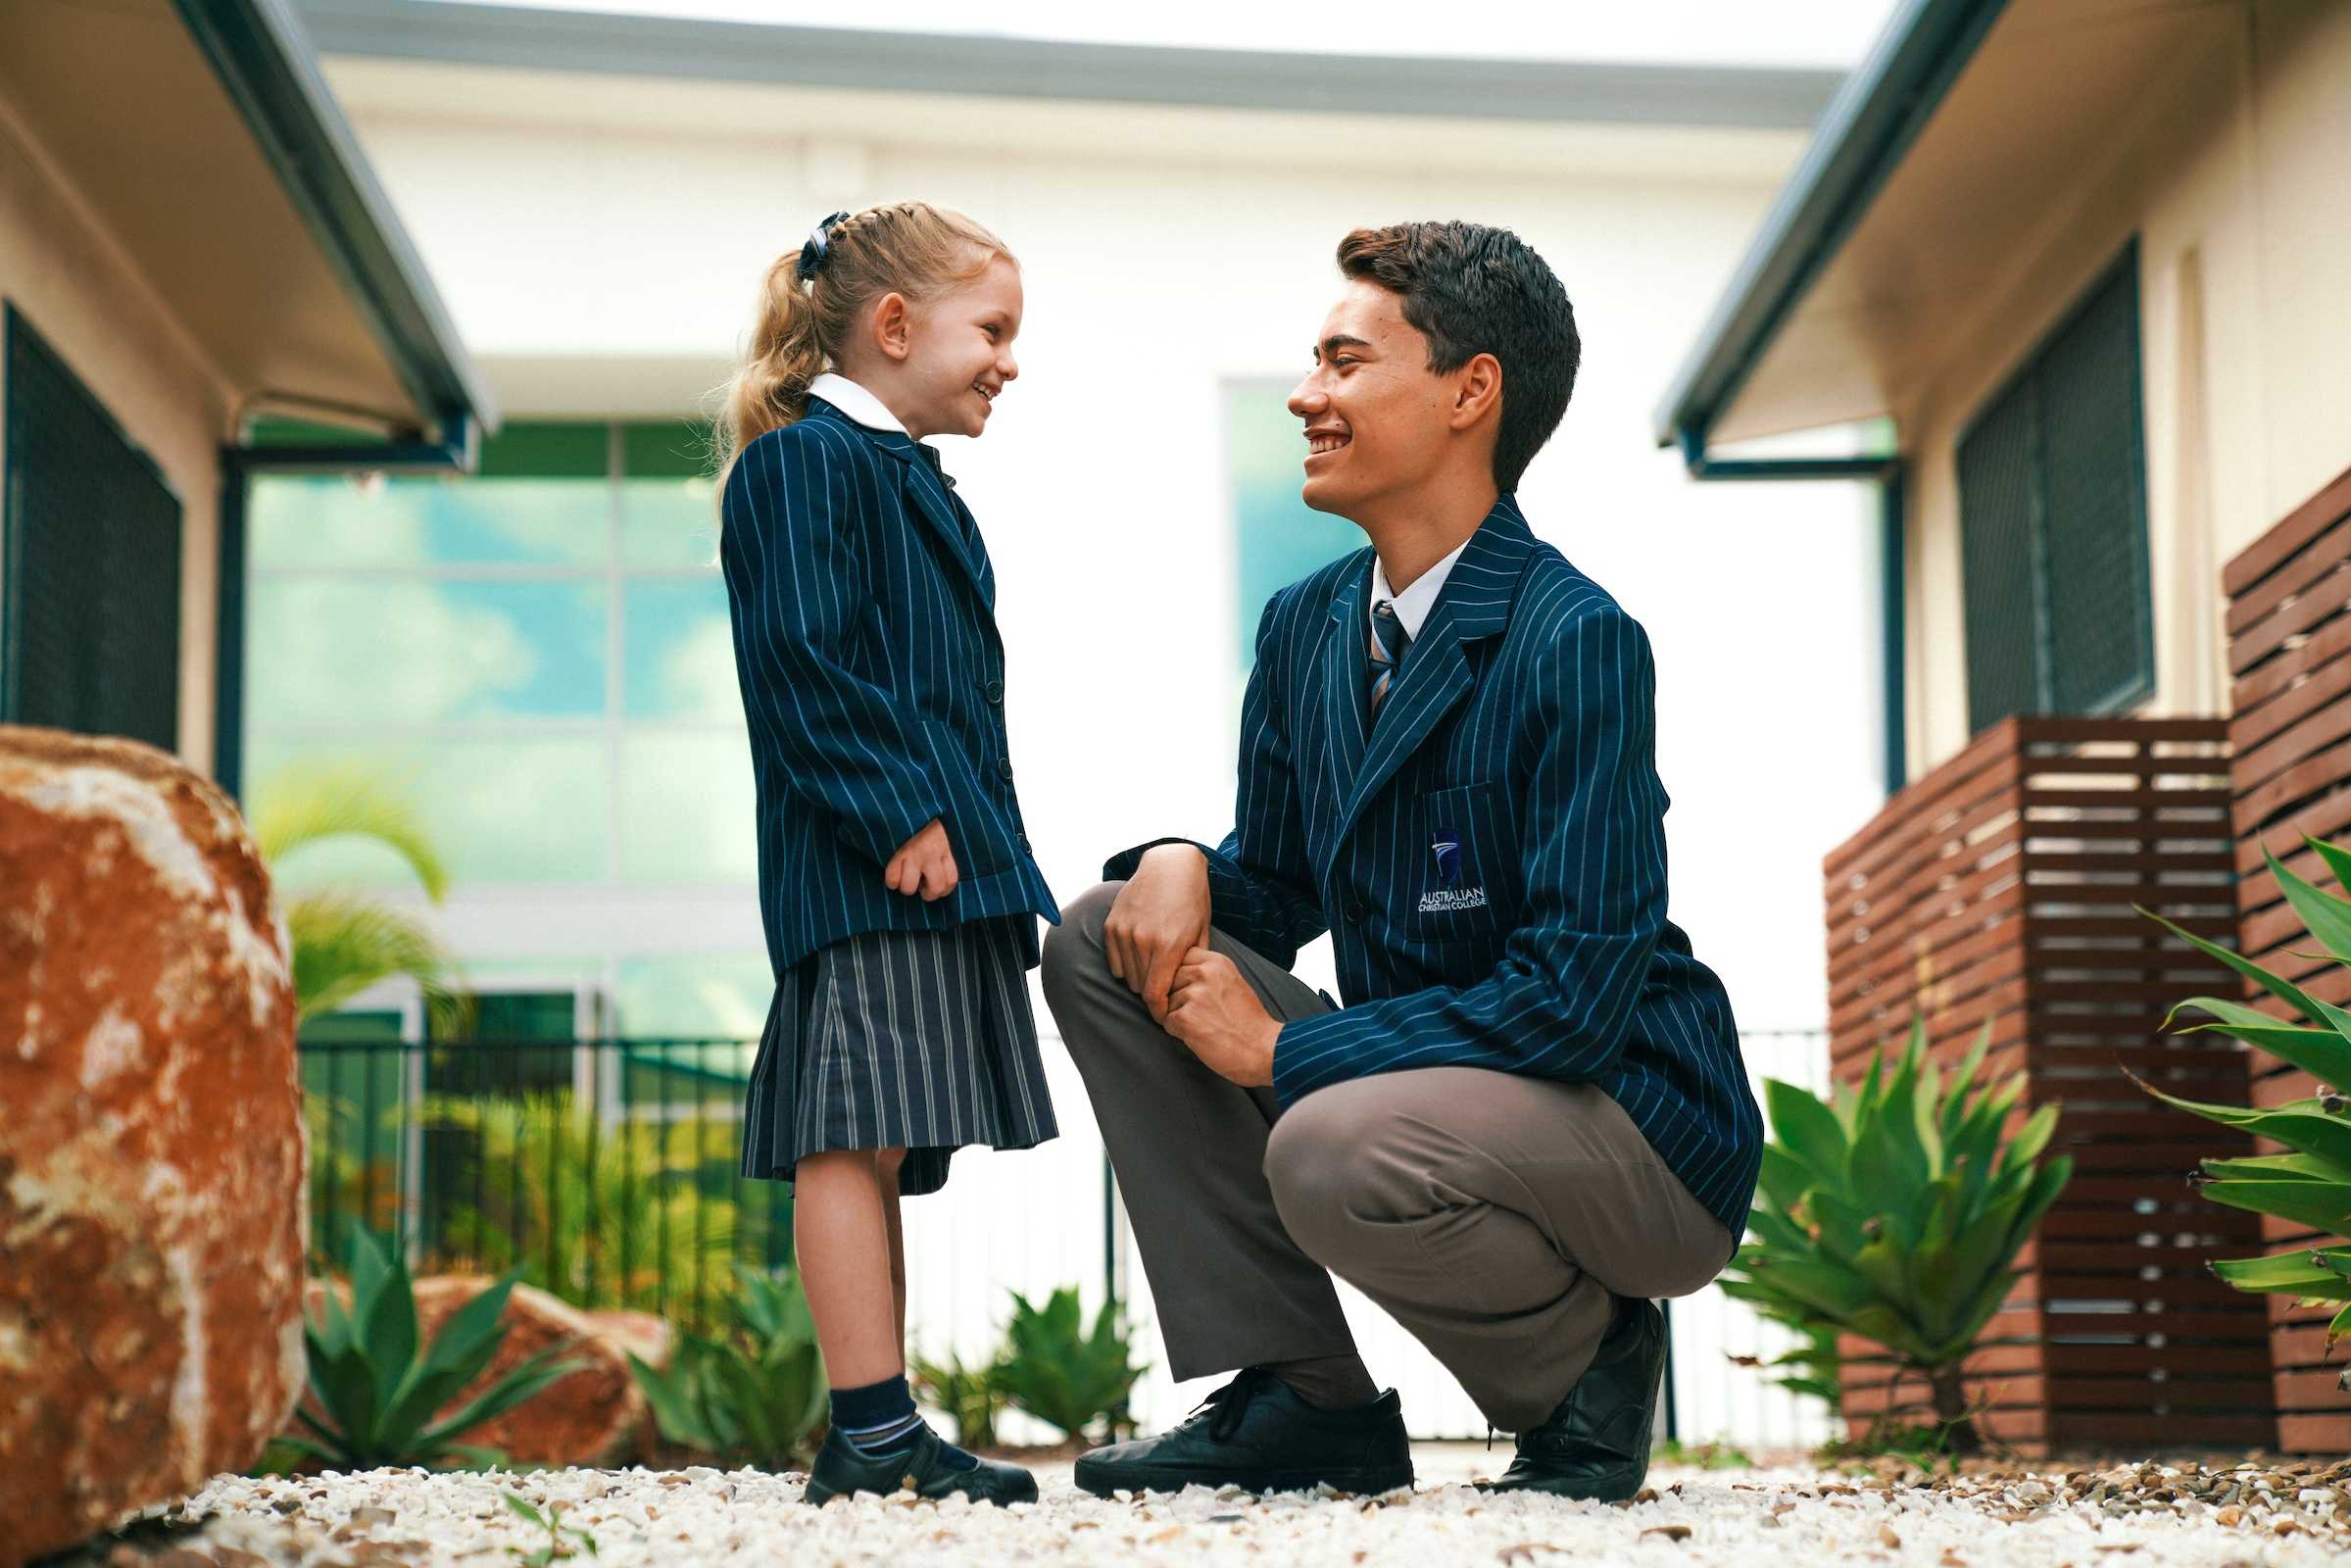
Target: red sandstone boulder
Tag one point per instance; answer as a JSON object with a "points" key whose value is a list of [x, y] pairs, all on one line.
{"points": [[589, 1417], [152, 1156]]}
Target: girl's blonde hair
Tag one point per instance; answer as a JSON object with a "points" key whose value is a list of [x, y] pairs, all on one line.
{"points": [[908, 248]]}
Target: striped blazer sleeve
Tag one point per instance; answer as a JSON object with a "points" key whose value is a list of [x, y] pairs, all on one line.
{"points": [[1559, 1004], [1261, 886], [797, 577]]}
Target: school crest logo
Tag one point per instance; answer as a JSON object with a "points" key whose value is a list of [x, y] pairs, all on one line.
{"points": [[1444, 850]]}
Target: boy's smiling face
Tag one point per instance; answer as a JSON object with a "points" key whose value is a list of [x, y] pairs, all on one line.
{"points": [[1377, 418], [960, 352]]}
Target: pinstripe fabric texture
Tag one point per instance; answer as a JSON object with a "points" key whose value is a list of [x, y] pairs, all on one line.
{"points": [[1488, 854], [915, 1040], [873, 681], [872, 674]]}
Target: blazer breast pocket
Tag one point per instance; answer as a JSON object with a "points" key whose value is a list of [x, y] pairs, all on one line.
{"points": [[976, 829], [1459, 865]]}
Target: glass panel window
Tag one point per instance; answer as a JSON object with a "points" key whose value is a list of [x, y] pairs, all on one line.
{"points": [[687, 805], [695, 995], [1281, 538], [670, 522], [373, 521], [355, 649], [499, 808], [680, 651]]}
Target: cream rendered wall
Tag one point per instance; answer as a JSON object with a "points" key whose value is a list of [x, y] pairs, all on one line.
{"points": [[2236, 180], [84, 293]]}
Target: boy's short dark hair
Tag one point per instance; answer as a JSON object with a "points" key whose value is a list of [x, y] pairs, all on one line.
{"points": [[1471, 290]]}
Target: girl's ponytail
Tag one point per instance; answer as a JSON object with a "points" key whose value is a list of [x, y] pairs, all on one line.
{"points": [[787, 352], [908, 248]]}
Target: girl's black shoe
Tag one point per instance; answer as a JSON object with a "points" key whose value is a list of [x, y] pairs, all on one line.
{"points": [[842, 1470]]}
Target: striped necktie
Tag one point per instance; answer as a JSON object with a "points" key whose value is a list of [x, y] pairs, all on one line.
{"points": [[1389, 641]]}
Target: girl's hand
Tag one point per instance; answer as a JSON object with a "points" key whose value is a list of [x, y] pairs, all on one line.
{"points": [[924, 865]]}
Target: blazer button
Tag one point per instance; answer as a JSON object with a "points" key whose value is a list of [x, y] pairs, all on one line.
{"points": [[995, 691], [1004, 766], [1023, 839], [1355, 912]]}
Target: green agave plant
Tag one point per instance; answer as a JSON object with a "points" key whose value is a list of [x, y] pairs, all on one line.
{"points": [[378, 1388], [755, 1394], [599, 1215], [1895, 1212], [971, 1395], [1065, 1374], [2310, 1184], [343, 942]]}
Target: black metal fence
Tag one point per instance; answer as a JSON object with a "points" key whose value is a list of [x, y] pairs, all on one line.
{"points": [[604, 1171]]}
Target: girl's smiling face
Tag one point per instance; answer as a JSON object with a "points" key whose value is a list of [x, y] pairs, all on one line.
{"points": [[958, 354]]}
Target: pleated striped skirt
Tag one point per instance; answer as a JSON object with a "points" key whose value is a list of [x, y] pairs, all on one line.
{"points": [[916, 1040]]}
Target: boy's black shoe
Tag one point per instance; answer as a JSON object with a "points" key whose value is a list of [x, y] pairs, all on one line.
{"points": [[842, 1470], [1256, 1433], [1596, 1445]]}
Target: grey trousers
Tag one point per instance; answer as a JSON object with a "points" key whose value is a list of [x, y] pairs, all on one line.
{"points": [[1492, 1215]]}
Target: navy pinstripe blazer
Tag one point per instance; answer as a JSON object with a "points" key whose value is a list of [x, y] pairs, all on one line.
{"points": [[1489, 860], [873, 681]]}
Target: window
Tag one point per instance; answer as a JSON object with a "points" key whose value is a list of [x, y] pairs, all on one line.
{"points": [[2053, 522], [90, 562], [1280, 538], [539, 656]]}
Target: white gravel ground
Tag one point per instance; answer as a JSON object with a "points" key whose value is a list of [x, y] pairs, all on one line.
{"points": [[694, 1517]]}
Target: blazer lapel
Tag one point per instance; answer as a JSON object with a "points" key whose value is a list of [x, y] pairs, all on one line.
{"points": [[931, 499], [1474, 603], [1345, 658]]}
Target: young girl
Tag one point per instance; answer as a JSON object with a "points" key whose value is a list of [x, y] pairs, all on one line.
{"points": [[896, 882]]}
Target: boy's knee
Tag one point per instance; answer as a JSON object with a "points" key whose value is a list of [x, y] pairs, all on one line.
{"points": [[1316, 1169], [1341, 1160]]}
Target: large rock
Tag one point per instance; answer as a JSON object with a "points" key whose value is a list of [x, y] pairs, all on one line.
{"points": [[153, 1165], [594, 1416], [589, 1417]]}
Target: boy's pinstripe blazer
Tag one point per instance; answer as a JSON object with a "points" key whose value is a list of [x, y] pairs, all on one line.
{"points": [[1491, 861], [873, 680]]}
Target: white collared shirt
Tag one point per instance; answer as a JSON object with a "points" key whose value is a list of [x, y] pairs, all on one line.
{"points": [[1412, 605], [856, 402]]}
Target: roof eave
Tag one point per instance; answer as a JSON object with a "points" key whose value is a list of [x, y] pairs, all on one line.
{"points": [[983, 65], [1864, 134], [266, 63]]}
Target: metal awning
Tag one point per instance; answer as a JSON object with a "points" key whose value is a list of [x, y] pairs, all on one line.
{"points": [[1936, 172], [209, 149]]}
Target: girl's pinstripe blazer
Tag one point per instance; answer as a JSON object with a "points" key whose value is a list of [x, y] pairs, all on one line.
{"points": [[1490, 860], [873, 680]]}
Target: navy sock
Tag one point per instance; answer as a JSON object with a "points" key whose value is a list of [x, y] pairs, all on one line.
{"points": [[880, 1419]]}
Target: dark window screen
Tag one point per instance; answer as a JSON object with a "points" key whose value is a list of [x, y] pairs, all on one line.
{"points": [[89, 585], [2053, 522]]}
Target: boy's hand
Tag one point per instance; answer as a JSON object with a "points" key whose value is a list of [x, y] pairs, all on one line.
{"points": [[1217, 1014], [1159, 916], [924, 865]]}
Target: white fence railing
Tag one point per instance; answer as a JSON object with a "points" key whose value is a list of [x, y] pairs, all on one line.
{"points": [[1036, 1220]]}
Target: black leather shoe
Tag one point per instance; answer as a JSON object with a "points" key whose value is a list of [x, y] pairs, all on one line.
{"points": [[1256, 1433], [841, 1471], [1596, 1445]]}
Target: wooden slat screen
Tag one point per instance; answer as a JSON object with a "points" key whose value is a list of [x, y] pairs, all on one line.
{"points": [[2289, 662], [1999, 888]]}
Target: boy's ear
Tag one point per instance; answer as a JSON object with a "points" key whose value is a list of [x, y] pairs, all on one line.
{"points": [[1477, 388], [893, 326]]}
